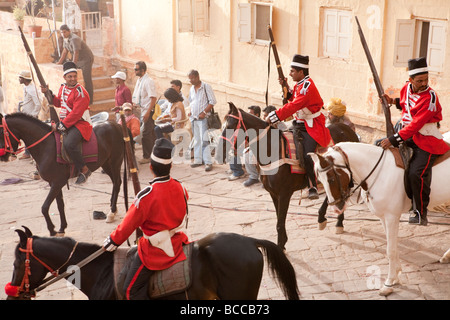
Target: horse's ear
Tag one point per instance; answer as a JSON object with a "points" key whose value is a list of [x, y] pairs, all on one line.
{"points": [[23, 238], [27, 232], [233, 108], [318, 159]]}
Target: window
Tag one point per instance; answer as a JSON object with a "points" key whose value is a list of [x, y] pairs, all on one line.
{"points": [[193, 16], [420, 38], [336, 33], [253, 19]]}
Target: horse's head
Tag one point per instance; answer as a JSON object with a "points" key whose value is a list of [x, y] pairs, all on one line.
{"points": [[232, 135], [333, 171], [29, 271]]}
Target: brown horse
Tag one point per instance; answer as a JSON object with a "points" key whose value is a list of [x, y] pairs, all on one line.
{"points": [[225, 266], [281, 183]]}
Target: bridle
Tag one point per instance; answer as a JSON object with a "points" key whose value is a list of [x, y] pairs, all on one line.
{"points": [[240, 125], [24, 288], [7, 134], [346, 194]]}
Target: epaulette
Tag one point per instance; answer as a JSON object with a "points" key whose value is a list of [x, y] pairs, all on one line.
{"points": [[80, 90], [141, 194]]}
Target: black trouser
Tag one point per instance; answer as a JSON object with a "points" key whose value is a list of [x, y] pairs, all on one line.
{"points": [[148, 136], [163, 128], [136, 282], [418, 178], [308, 144], [72, 145], [86, 68]]}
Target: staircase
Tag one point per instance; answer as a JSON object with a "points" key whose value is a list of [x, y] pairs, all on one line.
{"points": [[104, 90]]}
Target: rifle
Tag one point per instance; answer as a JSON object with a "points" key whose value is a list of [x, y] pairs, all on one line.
{"points": [[284, 85], [131, 160], [53, 115], [376, 79]]}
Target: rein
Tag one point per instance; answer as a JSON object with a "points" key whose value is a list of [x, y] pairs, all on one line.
{"points": [[8, 146], [346, 195]]}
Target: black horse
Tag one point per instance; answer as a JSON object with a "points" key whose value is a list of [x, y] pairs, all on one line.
{"points": [[111, 151], [225, 266], [282, 183]]}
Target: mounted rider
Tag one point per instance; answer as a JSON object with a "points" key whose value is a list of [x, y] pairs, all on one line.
{"points": [[421, 113], [305, 105], [75, 122], [160, 211]]}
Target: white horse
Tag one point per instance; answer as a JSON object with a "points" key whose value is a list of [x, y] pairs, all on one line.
{"points": [[382, 187]]}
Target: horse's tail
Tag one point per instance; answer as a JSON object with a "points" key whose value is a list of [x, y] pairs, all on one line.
{"points": [[281, 268]]}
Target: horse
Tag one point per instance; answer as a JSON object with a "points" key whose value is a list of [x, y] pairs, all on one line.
{"points": [[282, 183], [376, 174], [225, 266], [41, 144]]}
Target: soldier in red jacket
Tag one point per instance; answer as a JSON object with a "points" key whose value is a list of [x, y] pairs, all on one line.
{"points": [[421, 113], [75, 121], [305, 104], [160, 211]]}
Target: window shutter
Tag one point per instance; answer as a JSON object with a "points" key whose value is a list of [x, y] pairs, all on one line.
{"points": [[244, 22], [330, 33], [201, 16], [344, 34], [404, 42], [436, 46], [184, 16]]}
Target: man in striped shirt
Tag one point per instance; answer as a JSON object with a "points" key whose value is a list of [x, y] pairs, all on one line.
{"points": [[201, 101]]}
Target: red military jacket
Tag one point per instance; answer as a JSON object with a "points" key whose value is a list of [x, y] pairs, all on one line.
{"points": [[159, 207], [73, 103], [419, 109], [305, 105]]}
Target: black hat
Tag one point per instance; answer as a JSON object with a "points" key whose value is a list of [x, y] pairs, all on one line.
{"points": [[417, 66], [69, 67], [300, 61], [162, 151]]}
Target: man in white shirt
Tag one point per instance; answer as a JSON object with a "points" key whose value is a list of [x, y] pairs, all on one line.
{"points": [[144, 98], [202, 100], [31, 103]]}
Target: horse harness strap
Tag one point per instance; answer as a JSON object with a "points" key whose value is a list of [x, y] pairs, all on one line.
{"points": [[8, 146], [25, 285]]}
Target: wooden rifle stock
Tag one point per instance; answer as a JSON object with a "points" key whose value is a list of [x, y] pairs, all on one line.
{"points": [[376, 79], [131, 160], [285, 85], [53, 115]]}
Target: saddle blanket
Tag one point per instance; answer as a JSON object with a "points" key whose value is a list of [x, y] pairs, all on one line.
{"points": [[175, 279], [292, 152], [89, 150]]}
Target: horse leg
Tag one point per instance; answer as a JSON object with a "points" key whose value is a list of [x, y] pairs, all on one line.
{"points": [[62, 214], [114, 175], [446, 257], [391, 224], [54, 190], [340, 224], [322, 211], [283, 206]]}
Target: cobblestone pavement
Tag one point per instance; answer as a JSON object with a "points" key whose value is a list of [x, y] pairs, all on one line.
{"points": [[328, 265]]}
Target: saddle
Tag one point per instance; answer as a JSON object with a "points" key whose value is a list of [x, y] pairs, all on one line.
{"points": [[287, 157], [162, 283], [399, 162], [89, 149]]}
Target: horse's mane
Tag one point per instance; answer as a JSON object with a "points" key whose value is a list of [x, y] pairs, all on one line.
{"points": [[26, 117]]}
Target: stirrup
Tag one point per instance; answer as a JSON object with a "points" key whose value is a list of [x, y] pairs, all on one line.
{"points": [[82, 177]]}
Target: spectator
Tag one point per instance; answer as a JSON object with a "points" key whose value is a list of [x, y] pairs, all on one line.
{"points": [[175, 118], [280, 125], [133, 123], [177, 85], [31, 103], [82, 56], [336, 113], [122, 93], [249, 159], [144, 98], [201, 101]]}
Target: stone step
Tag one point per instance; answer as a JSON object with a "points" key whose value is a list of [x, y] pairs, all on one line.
{"points": [[102, 82], [104, 94], [102, 105]]}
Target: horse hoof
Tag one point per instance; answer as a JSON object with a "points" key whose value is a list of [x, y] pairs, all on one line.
{"points": [[444, 260], [110, 217], [339, 230], [385, 291], [322, 225]]}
